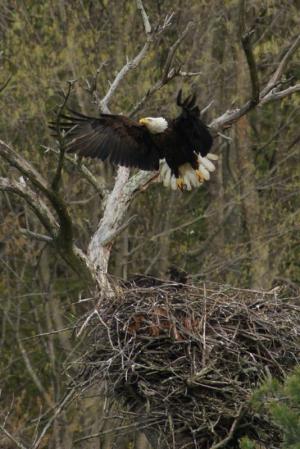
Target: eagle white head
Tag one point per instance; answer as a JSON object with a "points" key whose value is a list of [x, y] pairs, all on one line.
{"points": [[155, 125]]}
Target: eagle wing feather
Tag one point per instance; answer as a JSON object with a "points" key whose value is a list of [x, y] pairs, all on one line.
{"points": [[119, 139], [189, 125]]}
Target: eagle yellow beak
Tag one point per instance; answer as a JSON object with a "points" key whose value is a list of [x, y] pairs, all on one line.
{"points": [[143, 121]]}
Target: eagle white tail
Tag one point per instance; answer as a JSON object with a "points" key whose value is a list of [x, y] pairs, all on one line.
{"points": [[190, 177]]}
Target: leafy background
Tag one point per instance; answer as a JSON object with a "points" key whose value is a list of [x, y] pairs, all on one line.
{"points": [[241, 228]]}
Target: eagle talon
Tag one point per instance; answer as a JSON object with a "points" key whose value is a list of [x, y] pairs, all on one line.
{"points": [[181, 184], [199, 176]]}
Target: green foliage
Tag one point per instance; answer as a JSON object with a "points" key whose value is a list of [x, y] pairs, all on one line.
{"points": [[245, 443], [282, 401]]}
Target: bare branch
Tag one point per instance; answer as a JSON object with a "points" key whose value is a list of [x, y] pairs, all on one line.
{"points": [[109, 223], [36, 236], [65, 235], [225, 440], [115, 210], [173, 49], [61, 138], [56, 331], [147, 26], [75, 258], [131, 65], [63, 238], [247, 47], [40, 209], [281, 67], [184, 74], [12, 438], [204, 110], [229, 117], [34, 376], [5, 84], [277, 95], [56, 413], [21, 164], [118, 231], [98, 184], [167, 22], [92, 85], [168, 73], [233, 115], [125, 427]]}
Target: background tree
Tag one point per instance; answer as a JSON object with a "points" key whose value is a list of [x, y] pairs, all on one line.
{"points": [[241, 228]]}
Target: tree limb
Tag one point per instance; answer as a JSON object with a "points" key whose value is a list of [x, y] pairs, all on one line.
{"points": [[225, 440], [75, 258], [68, 397], [245, 38], [281, 67], [133, 63], [277, 95], [233, 115], [173, 49], [40, 209], [36, 236], [12, 438], [61, 138], [99, 185], [5, 84], [168, 73], [130, 65], [63, 237], [140, 7]]}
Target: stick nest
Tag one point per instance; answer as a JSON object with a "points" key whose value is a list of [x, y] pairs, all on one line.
{"points": [[186, 359]]}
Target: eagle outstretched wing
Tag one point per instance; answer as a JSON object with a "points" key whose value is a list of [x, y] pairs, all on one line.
{"points": [[115, 138]]}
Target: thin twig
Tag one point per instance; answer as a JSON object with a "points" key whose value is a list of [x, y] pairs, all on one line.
{"points": [[233, 115], [36, 236], [168, 73], [50, 421], [274, 95], [61, 140], [12, 438], [5, 84], [229, 436], [281, 67], [45, 334], [115, 429], [147, 26]]}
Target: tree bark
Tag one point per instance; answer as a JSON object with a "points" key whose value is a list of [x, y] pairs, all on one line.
{"points": [[252, 209]]}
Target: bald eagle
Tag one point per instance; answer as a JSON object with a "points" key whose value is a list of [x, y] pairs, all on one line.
{"points": [[178, 148]]}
